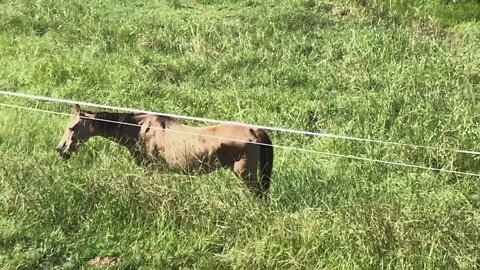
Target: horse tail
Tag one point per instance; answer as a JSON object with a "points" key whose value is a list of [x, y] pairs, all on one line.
{"points": [[266, 160]]}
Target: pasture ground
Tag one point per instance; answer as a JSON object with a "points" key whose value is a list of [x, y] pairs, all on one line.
{"points": [[405, 71]]}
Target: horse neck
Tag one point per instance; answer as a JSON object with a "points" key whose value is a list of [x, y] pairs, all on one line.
{"points": [[119, 127]]}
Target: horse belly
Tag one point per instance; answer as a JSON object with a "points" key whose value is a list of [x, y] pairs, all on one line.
{"points": [[191, 161]]}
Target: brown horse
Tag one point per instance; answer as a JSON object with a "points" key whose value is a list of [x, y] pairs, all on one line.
{"points": [[152, 138]]}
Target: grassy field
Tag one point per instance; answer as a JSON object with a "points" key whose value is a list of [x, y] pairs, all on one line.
{"points": [[402, 71]]}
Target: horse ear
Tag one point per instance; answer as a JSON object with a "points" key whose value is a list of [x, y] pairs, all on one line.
{"points": [[77, 108]]}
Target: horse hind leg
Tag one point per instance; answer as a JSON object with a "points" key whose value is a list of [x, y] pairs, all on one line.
{"points": [[247, 170]]}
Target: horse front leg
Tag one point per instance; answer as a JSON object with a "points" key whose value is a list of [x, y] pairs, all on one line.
{"points": [[140, 157], [247, 170]]}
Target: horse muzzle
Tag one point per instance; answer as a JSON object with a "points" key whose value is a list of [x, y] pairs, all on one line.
{"points": [[63, 153]]}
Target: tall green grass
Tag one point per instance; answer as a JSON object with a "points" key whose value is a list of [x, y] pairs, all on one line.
{"points": [[400, 71]]}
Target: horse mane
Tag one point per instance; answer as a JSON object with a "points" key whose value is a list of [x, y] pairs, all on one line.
{"points": [[112, 121], [118, 122], [116, 117]]}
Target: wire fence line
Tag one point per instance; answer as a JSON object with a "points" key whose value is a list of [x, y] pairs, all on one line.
{"points": [[202, 119], [291, 148]]}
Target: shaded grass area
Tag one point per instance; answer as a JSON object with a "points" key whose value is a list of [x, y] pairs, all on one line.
{"points": [[406, 72], [446, 12]]}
